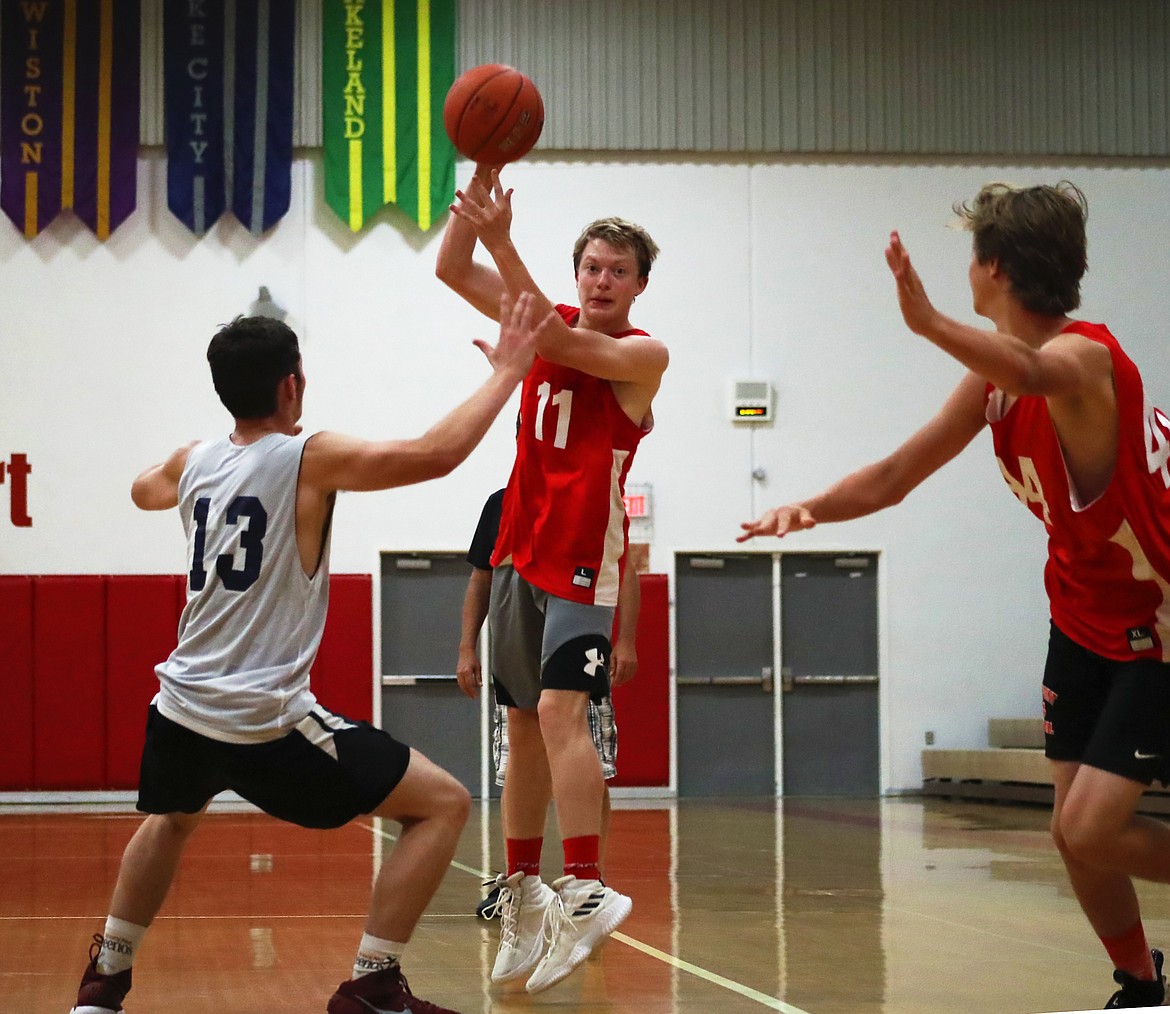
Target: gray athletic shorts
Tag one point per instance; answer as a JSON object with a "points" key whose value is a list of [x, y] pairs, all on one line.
{"points": [[602, 727], [529, 627]]}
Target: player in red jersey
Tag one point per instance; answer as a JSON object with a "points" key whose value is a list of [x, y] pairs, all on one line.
{"points": [[584, 407], [1081, 447]]}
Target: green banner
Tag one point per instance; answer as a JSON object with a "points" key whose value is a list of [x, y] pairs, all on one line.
{"points": [[386, 68]]}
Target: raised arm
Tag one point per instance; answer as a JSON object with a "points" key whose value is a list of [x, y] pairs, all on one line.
{"points": [[484, 212], [333, 461], [1068, 365], [886, 482], [1073, 373], [624, 664], [157, 488], [456, 266], [637, 359]]}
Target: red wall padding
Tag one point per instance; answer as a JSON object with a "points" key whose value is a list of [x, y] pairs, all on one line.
{"points": [[180, 581], [69, 667], [142, 619], [77, 658], [642, 706], [16, 681], [344, 668]]}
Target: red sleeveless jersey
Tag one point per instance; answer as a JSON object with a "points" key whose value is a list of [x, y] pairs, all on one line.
{"points": [[563, 525], [1108, 570]]}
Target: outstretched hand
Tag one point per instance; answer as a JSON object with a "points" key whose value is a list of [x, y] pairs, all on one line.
{"points": [[516, 348], [486, 206], [917, 309], [778, 521]]}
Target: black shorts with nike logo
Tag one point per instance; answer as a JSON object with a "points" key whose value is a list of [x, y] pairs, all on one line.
{"points": [[1111, 715]]}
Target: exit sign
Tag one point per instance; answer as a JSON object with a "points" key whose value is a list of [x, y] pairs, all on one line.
{"points": [[637, 500], [635, 505]]}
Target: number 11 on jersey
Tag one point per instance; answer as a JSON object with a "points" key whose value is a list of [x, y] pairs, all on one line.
{"points": [[563, 402]]}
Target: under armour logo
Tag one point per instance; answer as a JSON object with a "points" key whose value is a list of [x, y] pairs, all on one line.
{"points": [[594, 660]]}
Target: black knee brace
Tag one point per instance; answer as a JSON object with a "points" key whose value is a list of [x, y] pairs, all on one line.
{"points": [[579, 664]]}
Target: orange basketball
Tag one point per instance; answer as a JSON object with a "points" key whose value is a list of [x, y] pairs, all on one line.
{"points": [[493, 114]]}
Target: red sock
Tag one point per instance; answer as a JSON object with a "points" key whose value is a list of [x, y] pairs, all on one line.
{"points": [[581, 857], [523, 855], [1131, 953]]}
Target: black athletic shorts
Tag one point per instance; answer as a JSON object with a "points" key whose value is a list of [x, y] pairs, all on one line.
{"points": [[1108, 714], [324, 773]]}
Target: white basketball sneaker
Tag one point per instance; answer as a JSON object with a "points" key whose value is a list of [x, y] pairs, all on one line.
{"points": [[584, 913], [523, 905]]}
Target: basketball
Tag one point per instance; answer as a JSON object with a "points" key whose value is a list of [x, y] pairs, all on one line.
{"points": [[493, 114]]}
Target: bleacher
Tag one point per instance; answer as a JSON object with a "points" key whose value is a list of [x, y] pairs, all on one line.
{"points": [[1012, 768]]}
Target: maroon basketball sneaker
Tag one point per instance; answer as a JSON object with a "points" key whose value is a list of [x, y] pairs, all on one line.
{"points": [[384, 992], [101, 994]]}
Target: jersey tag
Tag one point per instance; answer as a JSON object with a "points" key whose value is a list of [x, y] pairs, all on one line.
{"points": [[583, 577], [1140, 638]]}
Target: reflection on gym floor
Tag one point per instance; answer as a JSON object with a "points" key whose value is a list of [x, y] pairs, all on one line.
{"points": [[806, 905]]}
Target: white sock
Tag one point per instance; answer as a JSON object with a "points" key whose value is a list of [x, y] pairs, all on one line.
{"points": [[119, 942], [375, 955]]}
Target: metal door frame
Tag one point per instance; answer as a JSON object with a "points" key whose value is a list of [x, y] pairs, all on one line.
{"points": [[830, 549], [486, 771], [378, 681]]}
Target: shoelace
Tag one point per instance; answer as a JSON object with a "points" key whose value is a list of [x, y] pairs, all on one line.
{"points": [[555, 916], [490, 911], [509, 911]]}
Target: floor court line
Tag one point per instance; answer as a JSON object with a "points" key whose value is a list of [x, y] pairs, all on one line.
{"points": [[712, 977], [1023, 941], [771, 1002]]}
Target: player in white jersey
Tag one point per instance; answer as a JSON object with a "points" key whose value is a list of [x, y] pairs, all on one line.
{"points": [[234, 709]]}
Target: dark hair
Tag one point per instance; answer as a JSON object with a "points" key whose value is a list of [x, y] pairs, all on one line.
{"points": [[623, 235], [249, 357], [1037, 234]]}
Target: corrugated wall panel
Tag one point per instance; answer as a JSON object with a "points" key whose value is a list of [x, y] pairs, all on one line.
{"points": [[978, 77], [307, 100], [150, 117]]}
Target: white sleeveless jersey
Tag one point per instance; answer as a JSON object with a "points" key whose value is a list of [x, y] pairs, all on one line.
{"points": [[253, 619]]}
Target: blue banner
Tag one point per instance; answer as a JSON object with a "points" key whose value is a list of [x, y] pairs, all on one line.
{"points": [[193, 75], [229, 72], [261, 178]]}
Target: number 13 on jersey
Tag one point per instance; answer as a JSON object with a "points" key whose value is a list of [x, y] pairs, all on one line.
{"points": [[249, 515]]}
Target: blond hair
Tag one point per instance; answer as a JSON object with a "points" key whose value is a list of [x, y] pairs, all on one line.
{"points": [[623, 235]]}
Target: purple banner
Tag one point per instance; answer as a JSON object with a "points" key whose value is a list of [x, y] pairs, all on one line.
{"points": [[31, 45], [69, 111], [105, 149]]}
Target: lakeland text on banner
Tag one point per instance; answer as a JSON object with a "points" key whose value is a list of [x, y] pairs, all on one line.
{"points": [[386, 68]]}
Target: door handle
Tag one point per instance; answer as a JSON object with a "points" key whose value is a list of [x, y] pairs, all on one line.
{"points": [[411, 681], [829, 680], [763, 681]]}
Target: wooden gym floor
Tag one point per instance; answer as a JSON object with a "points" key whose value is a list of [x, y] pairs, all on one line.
{"points": [[818, 906]]}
